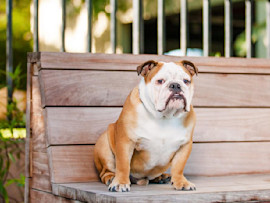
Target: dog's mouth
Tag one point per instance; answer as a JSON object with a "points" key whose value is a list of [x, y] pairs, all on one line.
{"points": [[173, 97]]}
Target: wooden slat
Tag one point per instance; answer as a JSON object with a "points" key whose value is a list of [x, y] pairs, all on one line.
{"points": [[78, 125], [72, 164], [86, 85], [101, 88], [75, 163], [84, 125], [211, 159], [37, 119], [40, 163], [232, 90], [130, 62], [40, 196], [28, 135], [41, 182], [242, 188]]}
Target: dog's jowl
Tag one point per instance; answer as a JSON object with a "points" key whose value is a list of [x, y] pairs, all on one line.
{"points": [[153, 132]]}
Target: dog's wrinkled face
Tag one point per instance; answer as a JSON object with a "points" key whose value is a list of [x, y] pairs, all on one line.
{"points": [[167, 87]]}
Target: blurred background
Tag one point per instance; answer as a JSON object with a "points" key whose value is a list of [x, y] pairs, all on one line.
{"points": [[12, 113]]}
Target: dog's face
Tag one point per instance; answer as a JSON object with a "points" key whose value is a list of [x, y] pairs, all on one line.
{"points": [[167, 88]]}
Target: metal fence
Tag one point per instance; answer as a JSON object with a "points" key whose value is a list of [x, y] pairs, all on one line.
{"points": [[138, 31]]}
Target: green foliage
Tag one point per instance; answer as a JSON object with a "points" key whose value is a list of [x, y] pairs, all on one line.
{"points": [[258, 31], [22, 37], [10, 151]]}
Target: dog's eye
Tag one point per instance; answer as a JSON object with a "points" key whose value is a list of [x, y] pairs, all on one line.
{"points": [[160, 81], [187, 82]]}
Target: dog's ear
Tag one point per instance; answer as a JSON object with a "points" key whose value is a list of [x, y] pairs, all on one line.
{"points": [[192, 69], [144, 68]]}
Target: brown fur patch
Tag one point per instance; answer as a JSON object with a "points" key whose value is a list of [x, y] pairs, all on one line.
{"points": [[153, 72], [190, 118]]}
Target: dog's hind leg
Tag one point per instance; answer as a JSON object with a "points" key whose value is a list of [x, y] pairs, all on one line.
{"points": [[104, 158]]}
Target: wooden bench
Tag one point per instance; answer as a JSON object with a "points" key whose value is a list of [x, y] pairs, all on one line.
{"points": [[73, 97]]}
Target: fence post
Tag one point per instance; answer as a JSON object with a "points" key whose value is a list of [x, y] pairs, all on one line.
{"points": [[161, 26], [268, 27], [206, 28], [113, 4], [137, 41], [36, 42], [63, 48], [228, 27], [89, 25], [184, 25], [248, 4], [9, 54]]}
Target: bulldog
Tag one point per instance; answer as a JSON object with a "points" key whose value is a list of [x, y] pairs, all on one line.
{"points": [[153, 132]]}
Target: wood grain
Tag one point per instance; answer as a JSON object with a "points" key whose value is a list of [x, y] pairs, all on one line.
{"points": [[110, 88], [75, 163], [130, 62], [83, 88], [83, 125], [37, 118], [72, 164], [40, 163], [28, 140], [212, 159], [40, 196], [209, 189], [41, 182], [78, 125]]}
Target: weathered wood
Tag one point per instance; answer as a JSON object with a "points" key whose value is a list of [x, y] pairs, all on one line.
{"points": [[41, 182], [209, 189], [78, 125], [40, 163], [101, 88], [83, 88], [28, 135], [212, 159], [40, 196], [72, 164], [130, 62], [75, 163], [83, 93], [83, 125], [37, 119]]}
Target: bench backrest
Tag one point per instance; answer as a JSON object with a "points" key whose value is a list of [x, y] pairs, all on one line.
{"points": [[75, 96]]}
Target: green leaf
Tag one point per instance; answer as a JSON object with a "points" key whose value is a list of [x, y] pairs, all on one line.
{"points": [[11, 157]]}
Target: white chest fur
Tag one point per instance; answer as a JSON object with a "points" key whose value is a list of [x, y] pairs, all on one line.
{"points": [[160, 137]]}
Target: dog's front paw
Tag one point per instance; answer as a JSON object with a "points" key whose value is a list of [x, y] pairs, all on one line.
{"points": [[182, 184], [115, 186]]}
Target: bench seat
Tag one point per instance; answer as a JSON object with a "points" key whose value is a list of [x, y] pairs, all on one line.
{"points": [[209, 189]]}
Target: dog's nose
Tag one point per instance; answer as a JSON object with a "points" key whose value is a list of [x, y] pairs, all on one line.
{"points": [[175, 87]]}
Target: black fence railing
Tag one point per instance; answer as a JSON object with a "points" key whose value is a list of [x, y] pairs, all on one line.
{"points": [[138, 31]]}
